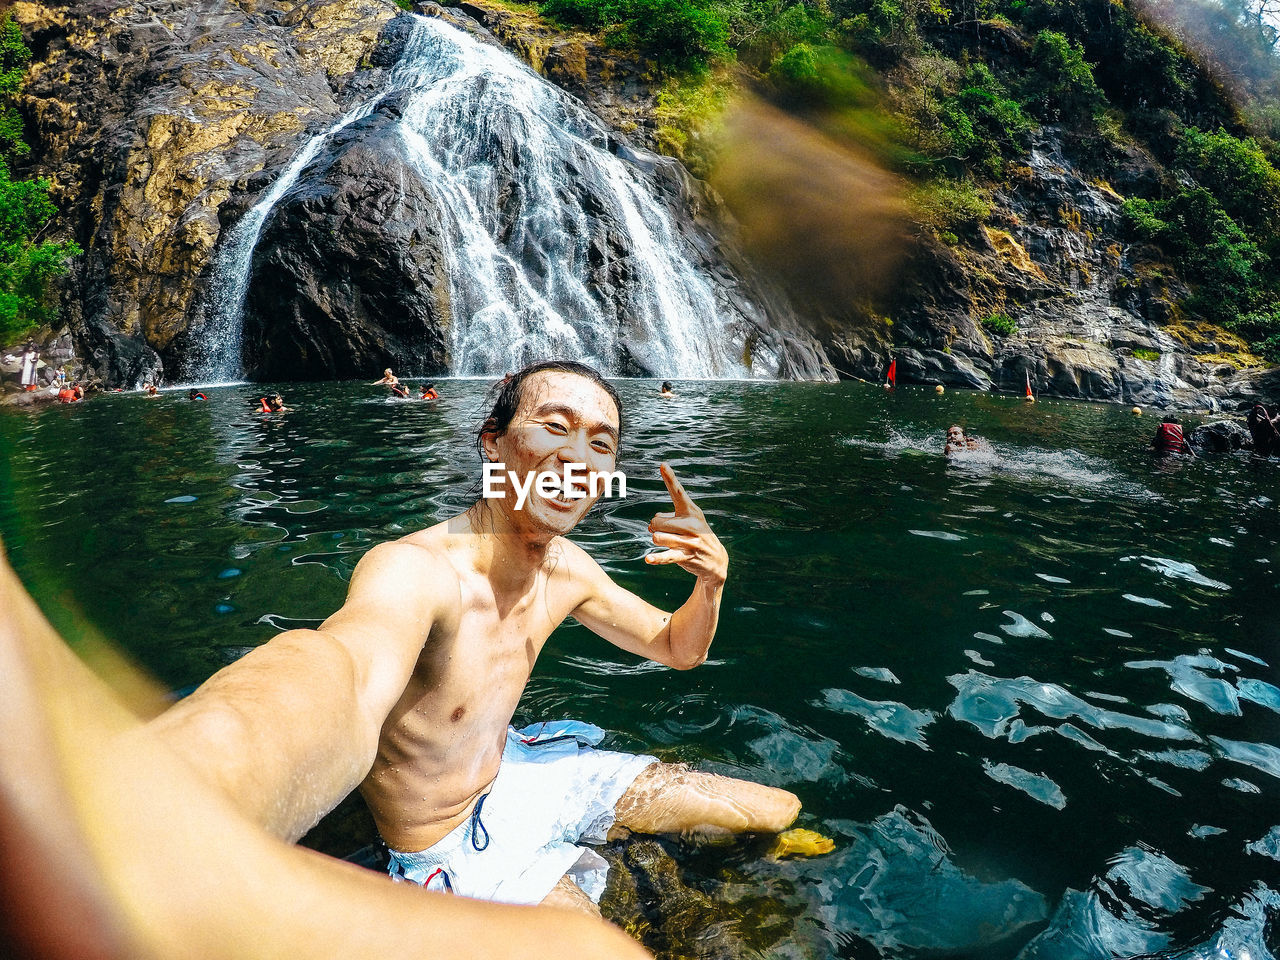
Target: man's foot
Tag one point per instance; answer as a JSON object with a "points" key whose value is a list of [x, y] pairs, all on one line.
{"points": [[801, 843]]}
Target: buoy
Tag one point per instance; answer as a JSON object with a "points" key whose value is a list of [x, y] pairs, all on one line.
{"points": [[938, 389], [1137, 411]]}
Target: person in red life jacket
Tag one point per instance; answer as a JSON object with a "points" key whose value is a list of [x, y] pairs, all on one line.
{"points": [[429, 392], [272, 404], [194, 394], [891, 375], [1169, 439], [67, 395], [78, 390]]}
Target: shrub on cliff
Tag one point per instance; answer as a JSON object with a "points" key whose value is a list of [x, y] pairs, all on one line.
{"points": [[1208, 247], [1239, 174], [1061, 85], [683, 34], [28, 265]]}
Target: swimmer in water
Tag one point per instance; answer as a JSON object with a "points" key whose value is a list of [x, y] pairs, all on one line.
{"points": [[194, 394], [436, 642], [272, 404], [400, 390], [959, 442], [152, 392], [388, 378], [666, 391], [116, 841], [1170, 441], [429, 392]]}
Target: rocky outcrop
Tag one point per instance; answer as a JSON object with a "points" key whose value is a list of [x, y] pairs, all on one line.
{"points": [[149, 116], [1096, 317], [358, 276], [1221, 436]]}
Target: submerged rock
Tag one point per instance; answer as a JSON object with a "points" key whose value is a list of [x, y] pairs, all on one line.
{"points": [[1221, 436]]}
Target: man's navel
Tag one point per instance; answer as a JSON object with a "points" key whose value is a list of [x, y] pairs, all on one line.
{"points": [[457, 714]]}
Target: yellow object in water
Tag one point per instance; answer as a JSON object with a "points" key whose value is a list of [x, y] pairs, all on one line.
{"points": [[801, 843]]}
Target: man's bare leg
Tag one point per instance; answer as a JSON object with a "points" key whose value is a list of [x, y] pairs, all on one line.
{"points": [[154, 862], [671, 798], [570, 896]]}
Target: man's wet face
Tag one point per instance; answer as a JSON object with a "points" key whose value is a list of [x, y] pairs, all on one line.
{"points": [[562, 418]]}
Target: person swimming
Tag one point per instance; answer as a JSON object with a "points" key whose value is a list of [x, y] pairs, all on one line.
{"points": [[1169, 439], [272, 404], [194, 394], [666, 392], [399, 389], [959, 442], [389, 378], [429, 392], [152, 391]]}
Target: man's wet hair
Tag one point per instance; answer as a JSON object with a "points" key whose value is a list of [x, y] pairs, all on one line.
{"points": [[666, 386], [505, 396]]}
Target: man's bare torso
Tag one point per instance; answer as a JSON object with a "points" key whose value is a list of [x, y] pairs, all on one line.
{"points": [[442, 743]]}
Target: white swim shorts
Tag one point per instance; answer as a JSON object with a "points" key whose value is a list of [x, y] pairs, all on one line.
{"points": [[553, 791]]}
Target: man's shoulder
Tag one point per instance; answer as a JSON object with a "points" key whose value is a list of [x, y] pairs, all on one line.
{"points": [[576, 563], [409, 558]]}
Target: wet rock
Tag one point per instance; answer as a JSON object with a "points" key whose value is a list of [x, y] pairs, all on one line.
{"points": [[357, 275], [1221, 436], [648, 896]]}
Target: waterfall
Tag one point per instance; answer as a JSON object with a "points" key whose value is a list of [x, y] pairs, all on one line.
{"points": [[524, 180]]}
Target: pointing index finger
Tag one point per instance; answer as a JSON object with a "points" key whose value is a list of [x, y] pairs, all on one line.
{"points": [[676, 489]]}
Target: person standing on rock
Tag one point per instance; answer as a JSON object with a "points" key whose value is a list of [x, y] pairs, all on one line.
{"points": [[30, 361], [434, 646]]}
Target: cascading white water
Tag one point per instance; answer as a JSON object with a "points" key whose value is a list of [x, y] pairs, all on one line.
{"points": [[220, 357], [520, 173]]}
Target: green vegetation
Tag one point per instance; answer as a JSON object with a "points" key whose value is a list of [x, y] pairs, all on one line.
{"points": [[680, 34], [28, 265], [1002, 324], [404, 5], [1142, 353]]}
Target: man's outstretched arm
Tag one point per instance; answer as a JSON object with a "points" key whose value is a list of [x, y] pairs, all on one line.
{"points": [[112, 847], [681, 639], [292, 727]]}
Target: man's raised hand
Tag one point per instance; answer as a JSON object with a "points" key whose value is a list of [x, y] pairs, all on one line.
{"points": [[687, 537]]}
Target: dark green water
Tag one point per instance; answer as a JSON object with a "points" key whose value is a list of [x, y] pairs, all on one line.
{"points": [[1034, 700]]}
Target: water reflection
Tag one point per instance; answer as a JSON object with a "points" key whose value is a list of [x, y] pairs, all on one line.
{"points": [[1054, 671]]}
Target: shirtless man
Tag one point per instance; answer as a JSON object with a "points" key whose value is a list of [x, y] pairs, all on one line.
{"points": [[111, 846], [438, 637]]}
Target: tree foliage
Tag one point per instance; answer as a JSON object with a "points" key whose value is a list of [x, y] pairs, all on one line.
{"points": [[29, 265]]}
